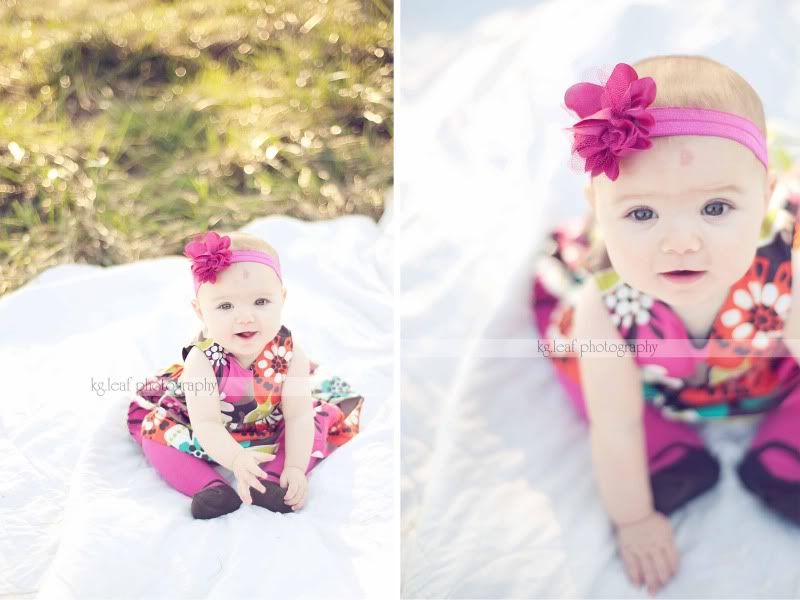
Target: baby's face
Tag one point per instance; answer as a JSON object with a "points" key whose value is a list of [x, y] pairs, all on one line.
{"points": [[247, 298], [690, 203]]}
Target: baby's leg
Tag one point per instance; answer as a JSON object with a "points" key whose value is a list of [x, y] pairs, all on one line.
{"points": [[680, 467], [184, 472], [771, 468], [211, 495]]}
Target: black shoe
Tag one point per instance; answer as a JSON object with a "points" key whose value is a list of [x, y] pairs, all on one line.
{"points": [[272, 499], [685, 479], [781, 495], [215, 500]]}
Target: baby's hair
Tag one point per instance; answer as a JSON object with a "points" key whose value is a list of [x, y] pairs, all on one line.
{"points": [[244, 241], [691, 81]]}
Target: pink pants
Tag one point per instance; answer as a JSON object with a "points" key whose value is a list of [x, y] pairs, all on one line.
{"points": [[187, 474], [781, 424]]}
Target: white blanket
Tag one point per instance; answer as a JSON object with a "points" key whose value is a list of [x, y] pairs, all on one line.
{"points": [[83, 515], [497, 493]]}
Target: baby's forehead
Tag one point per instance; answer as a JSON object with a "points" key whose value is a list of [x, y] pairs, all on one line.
{"points": [[246, 271], [682, 163], [244, 279]]}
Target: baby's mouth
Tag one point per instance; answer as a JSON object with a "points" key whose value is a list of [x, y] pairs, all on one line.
{"points": [[246, 334], [682, 275]]}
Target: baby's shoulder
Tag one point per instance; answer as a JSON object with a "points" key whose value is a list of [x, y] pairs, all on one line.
{"points": [[196, 366], [206, 357], [202, 344]]}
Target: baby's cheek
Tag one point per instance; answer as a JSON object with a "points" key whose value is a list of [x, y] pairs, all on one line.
{"points": [[625, 259], [738, 262], [736, 255]]}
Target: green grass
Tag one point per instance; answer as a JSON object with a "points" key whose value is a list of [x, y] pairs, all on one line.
{"points": [[126, 127]]}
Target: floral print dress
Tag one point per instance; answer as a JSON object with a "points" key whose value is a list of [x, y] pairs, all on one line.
{"points": [[254, 393], [743, 367]]}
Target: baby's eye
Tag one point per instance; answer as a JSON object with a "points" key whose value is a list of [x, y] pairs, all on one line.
{"points": [[262, 301], [225, 305], [716, 208], [641, 214]]}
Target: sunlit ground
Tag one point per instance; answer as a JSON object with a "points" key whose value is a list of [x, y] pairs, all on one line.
{"points": [[125, 127]]}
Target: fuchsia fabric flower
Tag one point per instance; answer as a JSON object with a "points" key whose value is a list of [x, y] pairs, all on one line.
{"points": [[210, 254], [615, 120]]}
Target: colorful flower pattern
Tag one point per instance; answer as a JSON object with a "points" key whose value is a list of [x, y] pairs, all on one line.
{"points": [[256, 419], [742, 369]]}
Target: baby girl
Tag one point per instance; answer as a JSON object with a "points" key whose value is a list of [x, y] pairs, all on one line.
{"points": [[243, 395], [683, 250]]}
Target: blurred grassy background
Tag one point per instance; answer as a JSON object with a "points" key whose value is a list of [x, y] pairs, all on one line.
{"points": [[127, 126]]}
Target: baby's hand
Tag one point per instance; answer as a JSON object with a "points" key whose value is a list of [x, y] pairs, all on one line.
{"points": [[295, 480], [648, 551], [247, 471]]}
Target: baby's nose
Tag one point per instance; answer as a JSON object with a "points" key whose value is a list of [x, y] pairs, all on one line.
{"points": [[244, 316], [680, 241]]}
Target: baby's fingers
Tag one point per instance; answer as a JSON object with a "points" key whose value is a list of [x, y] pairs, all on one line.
{"points": [[289, 498], [255, 472], [301, 502], [244, 492], [672, 557], [632, 568], [662, 567], [256, 484], [651, 577]]}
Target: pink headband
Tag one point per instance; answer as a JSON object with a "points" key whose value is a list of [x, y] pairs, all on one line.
{"points": [[210, 254], [616, 121]]}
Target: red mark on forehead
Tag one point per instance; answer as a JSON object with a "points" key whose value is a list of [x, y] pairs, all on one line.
{"points": [[686, 156]]}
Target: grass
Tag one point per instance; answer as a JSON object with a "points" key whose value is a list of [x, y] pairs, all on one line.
{"points": [[126, 127]]}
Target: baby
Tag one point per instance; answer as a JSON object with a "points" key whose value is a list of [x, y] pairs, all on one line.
{"points": [[683, 251], [243, 395]]}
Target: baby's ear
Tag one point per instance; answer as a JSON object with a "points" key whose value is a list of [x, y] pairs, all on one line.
{"points": [[196, 307], [284, 294], [772, 181]]}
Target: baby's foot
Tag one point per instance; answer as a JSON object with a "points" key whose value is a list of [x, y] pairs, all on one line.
{"points": [[272, 498], [781, 494], [215, 500], [683, 480]]}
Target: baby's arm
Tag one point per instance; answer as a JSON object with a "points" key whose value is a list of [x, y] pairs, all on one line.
{"points": [[298, 412], [613, 392], [612, 388], [202, 400]]}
